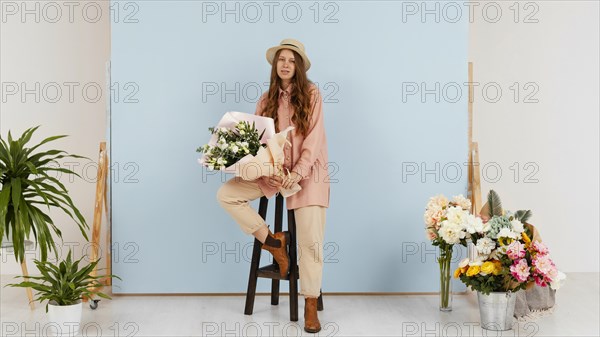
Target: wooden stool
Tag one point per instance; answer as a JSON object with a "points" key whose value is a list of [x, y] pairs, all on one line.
{"points": [[272, 271]]}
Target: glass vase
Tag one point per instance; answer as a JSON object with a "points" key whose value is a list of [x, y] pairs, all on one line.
{"points": [[445, 260]]}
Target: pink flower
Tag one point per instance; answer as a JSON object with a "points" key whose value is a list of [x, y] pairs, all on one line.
{"points": [[515, 250], [431, 235], [540, 281], [520, 270], [543, 265], [540, 248]]}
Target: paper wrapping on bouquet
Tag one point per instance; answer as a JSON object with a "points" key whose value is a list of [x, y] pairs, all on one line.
{"points": [[268, 160], [230, 120]]}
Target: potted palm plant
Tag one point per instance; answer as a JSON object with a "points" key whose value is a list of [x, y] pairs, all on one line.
{"points": [[26, 183], [64, 286]]}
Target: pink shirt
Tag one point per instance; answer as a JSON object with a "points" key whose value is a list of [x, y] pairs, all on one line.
{"points": [[307, 155]]}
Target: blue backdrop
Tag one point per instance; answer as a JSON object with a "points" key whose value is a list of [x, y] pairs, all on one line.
{"points": [[395, 110]]}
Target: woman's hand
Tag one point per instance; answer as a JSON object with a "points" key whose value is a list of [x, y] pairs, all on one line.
{"points": [[291, 179], [274, 181]]}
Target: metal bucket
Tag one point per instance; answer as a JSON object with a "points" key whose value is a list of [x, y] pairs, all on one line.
{"points": [[497, 310]]}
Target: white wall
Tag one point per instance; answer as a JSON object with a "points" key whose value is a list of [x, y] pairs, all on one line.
{"points": [[559, 134], [48, 52]]}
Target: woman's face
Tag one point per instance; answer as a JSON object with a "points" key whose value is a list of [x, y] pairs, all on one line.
{"points": [[286, 66]]}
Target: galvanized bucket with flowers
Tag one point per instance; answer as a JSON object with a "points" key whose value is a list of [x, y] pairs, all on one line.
{"points": [[508, 259]]}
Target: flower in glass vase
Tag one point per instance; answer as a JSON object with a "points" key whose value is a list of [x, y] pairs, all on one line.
{"points": [[446, 224]]}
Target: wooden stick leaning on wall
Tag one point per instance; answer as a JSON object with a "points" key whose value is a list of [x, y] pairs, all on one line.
{"points": [[100, 203], [26, 279], [474, 189]]}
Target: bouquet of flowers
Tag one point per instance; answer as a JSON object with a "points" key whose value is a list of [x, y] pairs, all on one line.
{"points": [[509, 256], [232, 145], [448, 223], [236, 146]]}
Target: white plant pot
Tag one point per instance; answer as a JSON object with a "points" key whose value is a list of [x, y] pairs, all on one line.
{"points": [[64, 320]]}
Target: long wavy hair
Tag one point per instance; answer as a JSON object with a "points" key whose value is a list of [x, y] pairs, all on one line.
{"points": [[300, 95]]}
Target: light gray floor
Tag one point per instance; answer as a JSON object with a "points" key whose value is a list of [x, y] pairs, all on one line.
{"points": [[576, 314]]}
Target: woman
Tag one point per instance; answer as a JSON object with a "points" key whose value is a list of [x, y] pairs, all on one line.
{"points": [[291, 100]]}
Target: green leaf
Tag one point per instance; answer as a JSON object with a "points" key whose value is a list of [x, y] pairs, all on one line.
{"points": [[19, 191], [523, 215], [494, 203]]}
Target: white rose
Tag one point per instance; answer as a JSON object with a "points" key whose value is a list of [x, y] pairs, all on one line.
{"points": [[235, 149], [517, 226], [461, 201], [476, 262], [474, 224], [452, 233], [558, 281], [506, 233], [485, 246], [463, 263], [456, 215], [438, 200]]}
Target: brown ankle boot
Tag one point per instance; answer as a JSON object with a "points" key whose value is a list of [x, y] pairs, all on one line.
{"points": [[311, 320], [280, 254]]}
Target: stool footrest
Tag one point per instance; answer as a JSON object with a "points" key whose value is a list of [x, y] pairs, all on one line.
{"points": [[272, 271]]}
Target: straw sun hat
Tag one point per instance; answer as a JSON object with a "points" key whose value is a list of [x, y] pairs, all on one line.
{"points": [[292, 44]]}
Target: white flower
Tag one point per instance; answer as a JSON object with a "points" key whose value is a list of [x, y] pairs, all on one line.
{"points": [[517, 226], [506, 232], [211, 167], [463, 263], [222, 146], [235, 148], [462, 202], [242, 132], [451, 232], [244, 144], [221, 161], [478, 261], [457, 215], [474, 224], [558, 281], [438, 200], [433, 214], [485, 246]]}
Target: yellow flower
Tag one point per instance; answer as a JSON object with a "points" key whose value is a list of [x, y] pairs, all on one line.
{"points": [[497, 267], [526, 239], [502, 241], [473, 270], [488, 267], [458, 272]]}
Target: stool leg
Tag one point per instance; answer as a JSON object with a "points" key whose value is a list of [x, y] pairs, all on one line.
{"points": [[293, 267], [253, 278], [320, 301], [278, 228]]}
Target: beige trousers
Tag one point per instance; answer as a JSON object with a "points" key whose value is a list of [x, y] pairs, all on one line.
{"points": [[235, 196]]}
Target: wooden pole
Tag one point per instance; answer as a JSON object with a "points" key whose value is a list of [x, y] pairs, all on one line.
{"points": [[98, 207], [474, 185], [26, 279]]}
